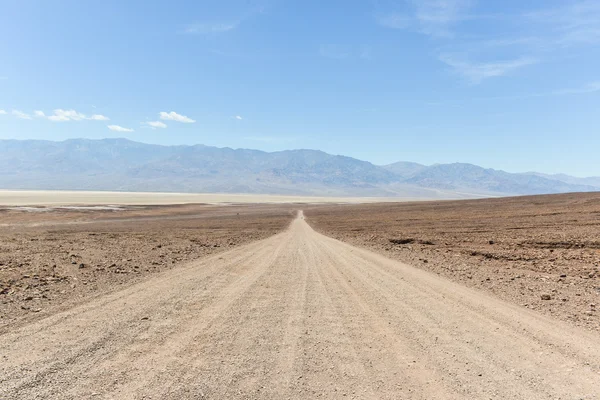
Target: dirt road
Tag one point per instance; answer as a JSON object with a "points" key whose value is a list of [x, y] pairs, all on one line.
{"points": [[298, 315]]}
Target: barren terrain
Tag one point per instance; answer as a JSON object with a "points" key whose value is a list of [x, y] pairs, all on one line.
{"points": [[298, 315], [55, 257], [539, 252]]}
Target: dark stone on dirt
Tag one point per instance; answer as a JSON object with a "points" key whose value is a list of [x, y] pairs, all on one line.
{"points": [[546, 297], [402, 241]]}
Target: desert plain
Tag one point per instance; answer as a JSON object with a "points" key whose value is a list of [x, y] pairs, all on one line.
{"points": [[473, 299]]}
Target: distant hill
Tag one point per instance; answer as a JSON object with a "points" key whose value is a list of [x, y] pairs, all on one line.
{"points": [[120, 164], [405, 169], [462, 176], [591, 181]]}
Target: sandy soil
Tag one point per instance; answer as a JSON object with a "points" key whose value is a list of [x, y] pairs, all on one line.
{"points": [[56, 258], [299, 315], [539, 252]]}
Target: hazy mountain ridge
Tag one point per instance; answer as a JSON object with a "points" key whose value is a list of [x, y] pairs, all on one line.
{"points": [[591, 181], [120, 164], [405, 169], [461, 175]]}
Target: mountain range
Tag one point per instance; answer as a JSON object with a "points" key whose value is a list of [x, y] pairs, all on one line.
{"points": [[124, 165]]}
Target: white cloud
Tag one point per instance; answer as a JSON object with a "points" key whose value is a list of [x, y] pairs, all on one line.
{"points": [[173, 116], [2, 112], [69, 115], [58, 118], [156, 124], [210, 28], [20, 114], [478, 72], [238, 117], [60, 115], [98, 117], [118, 128]]}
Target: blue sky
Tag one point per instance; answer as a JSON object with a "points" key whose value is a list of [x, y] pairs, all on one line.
{"points": [[506, 84]]}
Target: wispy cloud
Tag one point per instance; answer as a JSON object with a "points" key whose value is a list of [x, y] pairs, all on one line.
{"points": [[396, 21], [3, 78], [441, 20], [508, 42], [20, 114], [430, 17], [2, 112], [173, 116], [211, 28], [591, 87], [238, 117], [156, 124], [520, 38], [576, 22], [39, 114], [224, 24], [478, 72], [118, 128]]}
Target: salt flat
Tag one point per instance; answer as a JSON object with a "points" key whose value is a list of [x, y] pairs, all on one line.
{"points": [[54, 198]]}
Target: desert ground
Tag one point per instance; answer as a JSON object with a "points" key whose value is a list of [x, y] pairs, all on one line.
{"points": [[54, 257], [539, 252], [480, 299]]}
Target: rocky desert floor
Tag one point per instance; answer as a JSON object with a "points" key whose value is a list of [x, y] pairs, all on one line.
{"points": [[296, 315], [487, 299], [539, 252], [54, 257]]}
